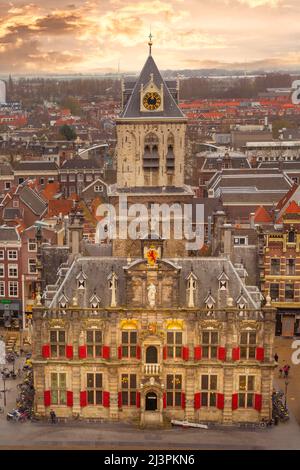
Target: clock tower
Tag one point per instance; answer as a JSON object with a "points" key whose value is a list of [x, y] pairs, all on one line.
{"points": [[151, 133]]}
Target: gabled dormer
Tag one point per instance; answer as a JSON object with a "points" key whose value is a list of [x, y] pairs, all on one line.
{"points": [[81, 280], [223, 281], [95, 301], [209, 302]]}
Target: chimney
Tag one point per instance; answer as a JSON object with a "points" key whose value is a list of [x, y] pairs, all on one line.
{"points": [[75, 231]]}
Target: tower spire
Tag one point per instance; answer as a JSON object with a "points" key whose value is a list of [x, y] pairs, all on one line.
{"points": [[150, 42]]}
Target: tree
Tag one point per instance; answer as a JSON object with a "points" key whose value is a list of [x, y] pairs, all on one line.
{"points": [[67, 132]]}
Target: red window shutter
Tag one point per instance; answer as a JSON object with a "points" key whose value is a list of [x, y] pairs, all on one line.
{"points": [[83, 399], [221, 353], [46, 351], [257, 401], [106, 399], [183, 400], [197, 400], [236, 354], [69, 398], [197, 353], [138, 352], [138, 399], [165, 352], [185, 353], [120, 352], [47, 398], [82, 352], [120, 400], [260, 354], [220, 401], [69, 351], [235, 398], [105, 352], [164, 400]]}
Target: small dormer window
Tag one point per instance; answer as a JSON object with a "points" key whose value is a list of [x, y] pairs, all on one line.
{"points": [[223, 281], [81, 280], [223, 285], [63, 302], [81, 284]]}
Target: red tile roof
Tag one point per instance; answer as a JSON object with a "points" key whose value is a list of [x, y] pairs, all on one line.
{"points": [[262, 216], [59, 206], [292, 208]]}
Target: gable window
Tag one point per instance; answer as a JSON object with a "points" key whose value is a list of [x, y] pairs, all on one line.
{"points": [[128, 385], [275, 266], [246, 391], [94, 343], [98, 188], [210, 342], [129, 343], [174, 344], [209, 385], [94, 388], [15, 203], [248, 344], [58, 343], [240, 240], [58, 389]]}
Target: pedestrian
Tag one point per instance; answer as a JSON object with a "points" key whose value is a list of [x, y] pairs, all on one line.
{"points": [[53, 417], [286, 371], [280, 373], [276, 357]]}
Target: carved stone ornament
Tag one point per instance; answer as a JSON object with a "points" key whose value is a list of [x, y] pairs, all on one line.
{"points": [[210, 324], [174, 324], [93, 322], [56, 323], [130, 324]]}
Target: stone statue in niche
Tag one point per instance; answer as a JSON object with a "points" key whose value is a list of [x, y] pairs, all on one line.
{"points": [[151, 294]]}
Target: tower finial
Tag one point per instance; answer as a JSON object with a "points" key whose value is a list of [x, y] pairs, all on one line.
{"points": [[150, 42]]}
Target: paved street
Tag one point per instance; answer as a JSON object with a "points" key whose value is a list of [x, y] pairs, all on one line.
{"points": [[81, 435]]}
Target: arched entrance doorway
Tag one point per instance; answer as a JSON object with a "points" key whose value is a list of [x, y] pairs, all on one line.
{"points": [[151, 401], [151, 355]]}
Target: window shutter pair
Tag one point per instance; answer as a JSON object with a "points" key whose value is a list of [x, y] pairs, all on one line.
{"points": [[46, 351], [257, 401], [259, 354], [47, 398], [185, 353], [197, 401]]}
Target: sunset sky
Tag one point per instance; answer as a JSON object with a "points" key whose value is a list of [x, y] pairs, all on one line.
{"points": [[62, 36]]}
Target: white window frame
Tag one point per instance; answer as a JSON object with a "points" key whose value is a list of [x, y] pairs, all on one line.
{"points": [[63, 178], [1, 254], [10, 257], [13, 285], [2, 269], [97, 190], [14, 267], [30, 242], [2, 286], [30, 264]]}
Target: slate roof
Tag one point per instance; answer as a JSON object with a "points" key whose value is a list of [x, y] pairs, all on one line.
{"points": [[38, 165], [80, 164], [6, 169], [32, 200], [170, 107], [97, 270]]}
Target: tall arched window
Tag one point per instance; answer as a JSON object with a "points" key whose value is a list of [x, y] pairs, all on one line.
{"points": [[151, 156]]}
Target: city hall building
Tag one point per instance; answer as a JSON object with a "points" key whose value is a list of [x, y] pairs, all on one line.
{"points": [[149, 333]]}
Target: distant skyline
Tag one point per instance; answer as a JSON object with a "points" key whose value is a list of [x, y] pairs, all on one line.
{"points": [[65, 37]]}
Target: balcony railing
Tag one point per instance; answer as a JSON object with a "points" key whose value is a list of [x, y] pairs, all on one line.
{"points": [[151, 369]]}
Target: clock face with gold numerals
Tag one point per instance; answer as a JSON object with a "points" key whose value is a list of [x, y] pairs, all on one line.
{"points": [[152, 100]]}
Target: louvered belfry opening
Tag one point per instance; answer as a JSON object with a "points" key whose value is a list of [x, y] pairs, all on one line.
{"points": [[151, 156], [170, 160]]}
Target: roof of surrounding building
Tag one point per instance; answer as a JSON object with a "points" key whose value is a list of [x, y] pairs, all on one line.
{"points": [[262, 215], [8, 234], [38, 165], [80, 164], [292, 208], [59, 206], [32, 200], [170, 107], [6, 169]]}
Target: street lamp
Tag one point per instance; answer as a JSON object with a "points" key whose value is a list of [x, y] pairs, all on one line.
{"points": [[286, 389]]}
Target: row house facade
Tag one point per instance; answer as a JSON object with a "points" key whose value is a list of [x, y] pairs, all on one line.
{"points": [[10, 277], [75, 174], [279, 249]]}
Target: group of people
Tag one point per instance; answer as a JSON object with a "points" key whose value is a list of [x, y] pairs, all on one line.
{"points": [[283, 371]]}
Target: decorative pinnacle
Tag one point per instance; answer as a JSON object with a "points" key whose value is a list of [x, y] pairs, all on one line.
{"points": [[150, 43]]}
